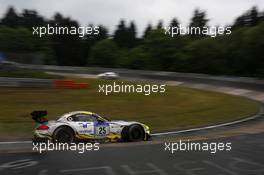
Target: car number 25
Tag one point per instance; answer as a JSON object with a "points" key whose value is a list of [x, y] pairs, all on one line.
{"points": [[102, 130]]}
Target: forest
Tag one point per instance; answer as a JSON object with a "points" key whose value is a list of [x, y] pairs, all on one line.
{"points": [[238, 54]]}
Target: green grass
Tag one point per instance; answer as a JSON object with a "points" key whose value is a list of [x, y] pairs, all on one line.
{"points": [[20, 73], [177, 108]]}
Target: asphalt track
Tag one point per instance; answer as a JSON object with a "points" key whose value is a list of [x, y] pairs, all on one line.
{"points": [[245, 158]]}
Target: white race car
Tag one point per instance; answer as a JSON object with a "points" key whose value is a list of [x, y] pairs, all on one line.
{"points": [[108, 76], [84, 125]]}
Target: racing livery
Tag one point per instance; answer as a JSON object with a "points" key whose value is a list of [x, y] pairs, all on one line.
{"points": [[84, 125]]}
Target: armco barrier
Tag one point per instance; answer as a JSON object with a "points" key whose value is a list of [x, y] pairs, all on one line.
{"points": [[26, 82], [245, 82], [41, 83]]}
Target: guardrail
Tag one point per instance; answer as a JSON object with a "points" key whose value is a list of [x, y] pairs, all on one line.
{"points": [[25, 82], [245, 82], [41, 83]]}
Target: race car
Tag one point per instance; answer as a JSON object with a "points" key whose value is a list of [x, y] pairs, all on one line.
{"points": [[84, 125], [108, 76]]}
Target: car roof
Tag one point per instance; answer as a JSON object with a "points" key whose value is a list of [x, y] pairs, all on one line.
{"points": [[77, 112], [64, 116]]}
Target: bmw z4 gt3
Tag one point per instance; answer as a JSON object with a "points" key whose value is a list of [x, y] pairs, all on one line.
{"points": [[84, 125]]}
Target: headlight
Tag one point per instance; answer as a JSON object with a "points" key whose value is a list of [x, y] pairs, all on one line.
{"points": [[146, 127]]}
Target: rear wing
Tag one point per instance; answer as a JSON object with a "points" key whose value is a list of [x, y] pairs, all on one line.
{"points": [[39, 116]]}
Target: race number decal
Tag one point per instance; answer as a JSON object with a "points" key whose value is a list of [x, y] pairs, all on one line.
{"points": [[102, 129]]}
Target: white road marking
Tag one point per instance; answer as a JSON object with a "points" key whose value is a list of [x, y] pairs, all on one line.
{"points": [[189, 170], [153, 170], [239, 91], [205, 128], [106, 169], [239, 165], [43, 172], [24, 163], [227, 171], [173, 83]]}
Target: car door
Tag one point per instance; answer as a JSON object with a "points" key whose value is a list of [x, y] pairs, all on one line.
{"points": [[101, 129], [83, 124]]}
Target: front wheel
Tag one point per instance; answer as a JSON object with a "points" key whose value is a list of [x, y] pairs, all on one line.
{"points": [[136, 133]]}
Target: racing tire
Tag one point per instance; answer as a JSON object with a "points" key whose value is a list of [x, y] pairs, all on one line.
{"points": [[124, 134], [135, 133], [63, 134]]}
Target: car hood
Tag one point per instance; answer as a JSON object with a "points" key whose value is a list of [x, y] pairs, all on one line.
{"points": [[124, 123]]}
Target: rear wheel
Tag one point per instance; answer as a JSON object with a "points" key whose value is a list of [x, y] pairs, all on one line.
{"points": [[63, 135], [124, 134], [136, 133]]}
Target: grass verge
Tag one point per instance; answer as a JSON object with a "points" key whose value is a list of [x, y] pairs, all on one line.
{"points": [[177, 108]]}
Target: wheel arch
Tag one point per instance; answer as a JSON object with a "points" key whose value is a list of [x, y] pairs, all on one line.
{"points": [[67, 126]]}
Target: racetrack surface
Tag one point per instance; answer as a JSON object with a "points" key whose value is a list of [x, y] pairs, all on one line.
{"points": [[245, 158]]}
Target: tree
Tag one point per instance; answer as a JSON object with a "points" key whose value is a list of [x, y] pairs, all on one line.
{"points": [[199, 19], [261, 17], [132, 35], [20, 42], [30, 18], [125, 37], [174, 23], [160, 25], [90, 40], [104, 53], [253, 16], [240, 22], [67, 47], [11, 19], [251, 49], [138, 58], [120, 35], [103, 33], [198, 22], [161, 49], [250, 18], [147, 30]]}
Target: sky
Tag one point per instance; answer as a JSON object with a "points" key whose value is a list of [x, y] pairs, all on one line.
{"points": [[142, 12]]}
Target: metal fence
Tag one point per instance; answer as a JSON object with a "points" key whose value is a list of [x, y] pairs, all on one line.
{"points": [[25, 82]]}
